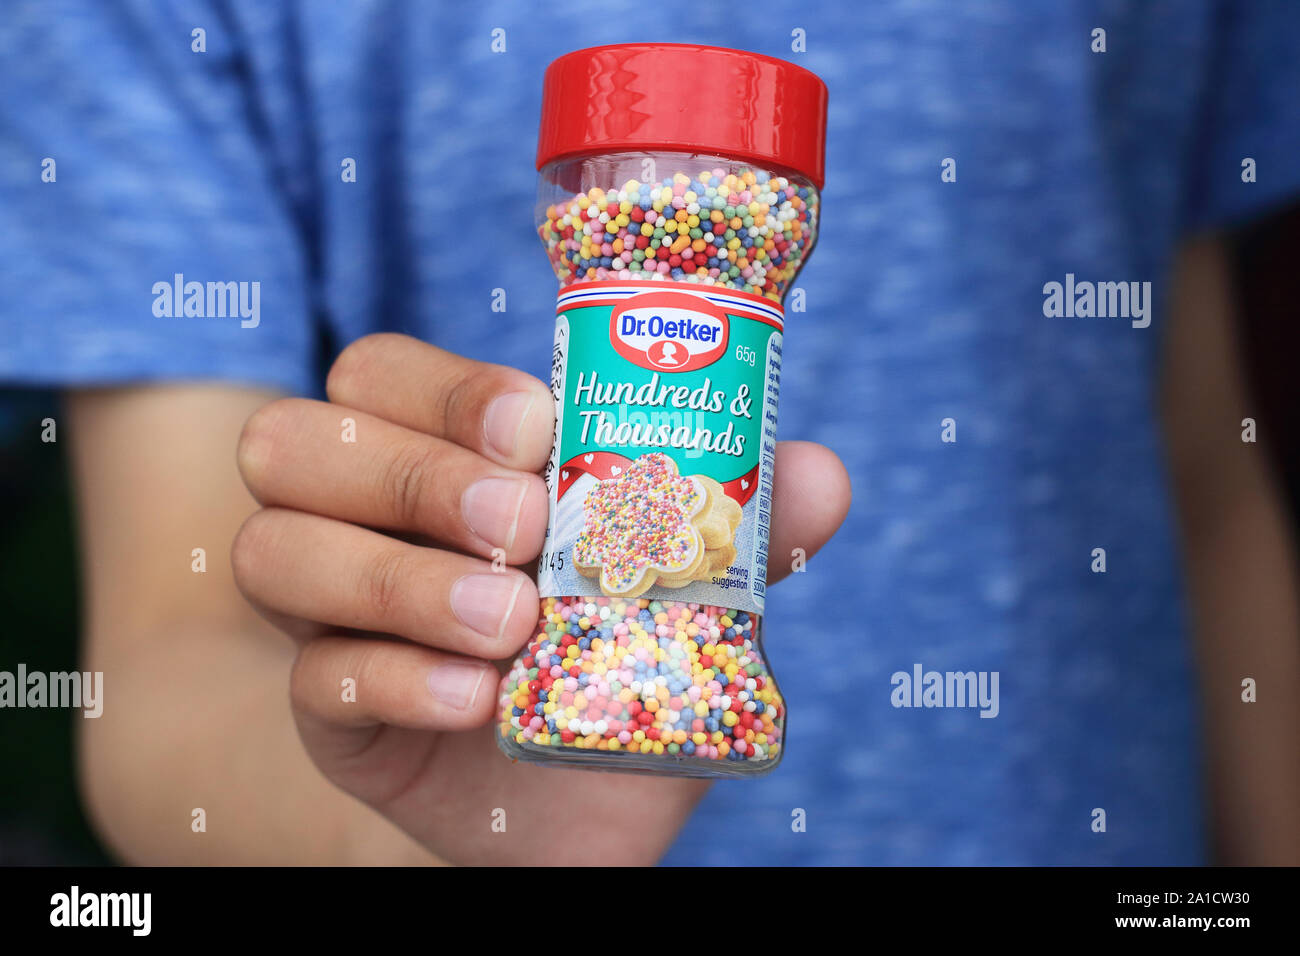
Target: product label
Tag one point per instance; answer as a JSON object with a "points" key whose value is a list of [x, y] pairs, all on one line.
{"points": [[660, 478]]}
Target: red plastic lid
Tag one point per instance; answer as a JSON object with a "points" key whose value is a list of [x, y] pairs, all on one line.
{"points": [[685, 98]]}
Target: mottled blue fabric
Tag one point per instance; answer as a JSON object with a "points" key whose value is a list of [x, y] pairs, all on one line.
{"points": [[924, 302]]}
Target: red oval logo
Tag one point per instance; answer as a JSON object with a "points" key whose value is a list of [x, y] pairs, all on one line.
{"points": [[669, 331]]}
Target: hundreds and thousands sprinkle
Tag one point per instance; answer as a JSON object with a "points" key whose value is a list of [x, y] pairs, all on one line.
{"points": [[748, 231], [644, 677]]}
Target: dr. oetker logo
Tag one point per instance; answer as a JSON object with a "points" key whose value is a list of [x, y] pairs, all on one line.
{"points": [[669, 331]]}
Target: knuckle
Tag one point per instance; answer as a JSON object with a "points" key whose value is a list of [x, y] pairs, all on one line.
{"points": [[257, 438], [246, 550], [382, 581], [300, 677], [318, 668], [312, 678], [461, 402], [468, 395], [363, 662], [349, 370], [406, 479]]}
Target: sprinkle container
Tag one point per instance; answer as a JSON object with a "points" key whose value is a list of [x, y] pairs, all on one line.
{"points": [[679, 197]]}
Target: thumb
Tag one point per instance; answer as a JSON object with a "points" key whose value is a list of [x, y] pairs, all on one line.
{"points": [[810, 499]]}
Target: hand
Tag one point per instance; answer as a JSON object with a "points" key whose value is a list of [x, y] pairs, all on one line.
{"points": [[445, 464]]}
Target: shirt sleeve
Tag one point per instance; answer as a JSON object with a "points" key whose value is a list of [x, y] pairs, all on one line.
{"points": [[1250, 111], [134, 178]]}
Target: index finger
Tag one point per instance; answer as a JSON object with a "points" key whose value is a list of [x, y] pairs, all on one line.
{"points": [[500, 412]]}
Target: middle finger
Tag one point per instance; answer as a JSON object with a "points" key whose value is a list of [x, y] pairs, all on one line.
{"points": [[295, 453]]}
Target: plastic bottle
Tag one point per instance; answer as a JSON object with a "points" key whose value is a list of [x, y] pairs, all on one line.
{"points": [[679, 196]]}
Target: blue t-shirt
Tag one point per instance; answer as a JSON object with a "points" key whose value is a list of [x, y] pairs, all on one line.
{"points": [[924, 302]]}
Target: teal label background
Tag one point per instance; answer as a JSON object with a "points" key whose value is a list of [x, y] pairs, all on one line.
{"points": [[583, 347]]}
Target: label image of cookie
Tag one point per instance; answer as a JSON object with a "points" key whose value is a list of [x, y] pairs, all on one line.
{"points": [[640, 526]]}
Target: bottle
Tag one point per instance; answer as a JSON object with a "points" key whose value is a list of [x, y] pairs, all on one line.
{"points": [[678, 200]]}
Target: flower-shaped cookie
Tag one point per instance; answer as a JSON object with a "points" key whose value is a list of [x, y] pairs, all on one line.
{"points": [[640, 525]]}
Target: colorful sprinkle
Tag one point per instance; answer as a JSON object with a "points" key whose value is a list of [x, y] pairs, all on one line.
{"points": [[748, 230], [662, 678]]}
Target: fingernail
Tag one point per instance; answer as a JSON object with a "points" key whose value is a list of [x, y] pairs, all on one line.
{"points": [[456, 684], [505, 419], [484, 602], [491, 507]]}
